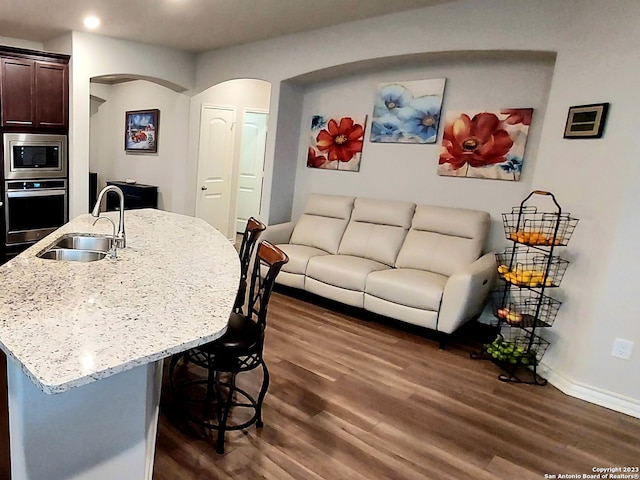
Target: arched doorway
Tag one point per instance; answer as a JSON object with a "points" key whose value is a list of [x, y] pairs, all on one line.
{"points": [[231, 146]]}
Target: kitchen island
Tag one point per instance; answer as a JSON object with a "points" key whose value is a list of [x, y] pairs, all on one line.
{"points": [[85, 341]]}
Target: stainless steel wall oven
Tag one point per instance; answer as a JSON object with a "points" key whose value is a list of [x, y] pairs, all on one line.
{"points": [[35, 185], [34, 209]]}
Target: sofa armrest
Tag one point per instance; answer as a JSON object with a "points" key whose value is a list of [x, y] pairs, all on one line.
{"points": [[466, 292], [279, 233]]}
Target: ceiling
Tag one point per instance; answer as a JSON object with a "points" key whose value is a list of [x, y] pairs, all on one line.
{"points": [[190, 25]]}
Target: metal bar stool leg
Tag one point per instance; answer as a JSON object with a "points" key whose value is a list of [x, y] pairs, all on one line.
{"points": [[210, 392], [263, 393], [222, 421], [172, 366]]}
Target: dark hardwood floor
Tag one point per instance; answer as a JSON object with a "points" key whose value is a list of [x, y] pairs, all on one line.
{"points": [[356, 399]]}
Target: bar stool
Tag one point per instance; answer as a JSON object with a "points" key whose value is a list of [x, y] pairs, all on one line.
{"points": [[238, 350], [250, 236]]}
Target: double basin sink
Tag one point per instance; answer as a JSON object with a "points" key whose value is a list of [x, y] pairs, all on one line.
{"points": [[78, 247]]}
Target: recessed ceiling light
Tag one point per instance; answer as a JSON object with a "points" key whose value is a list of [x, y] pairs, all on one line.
{"points": [[91, 22]]}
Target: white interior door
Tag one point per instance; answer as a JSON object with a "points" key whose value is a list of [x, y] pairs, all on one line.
{"points": [[215, 167], [254, 138]]}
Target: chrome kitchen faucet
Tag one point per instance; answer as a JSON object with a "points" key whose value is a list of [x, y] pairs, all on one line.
{"points": [[120, 237]]}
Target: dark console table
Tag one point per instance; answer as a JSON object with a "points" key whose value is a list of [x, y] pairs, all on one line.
{"points": [[136, 195]]}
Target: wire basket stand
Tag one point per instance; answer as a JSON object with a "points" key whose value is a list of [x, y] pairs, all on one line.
{"points": [[528, 268]]}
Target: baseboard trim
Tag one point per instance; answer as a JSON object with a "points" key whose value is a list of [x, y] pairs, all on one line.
{"points": [[591, 394]]}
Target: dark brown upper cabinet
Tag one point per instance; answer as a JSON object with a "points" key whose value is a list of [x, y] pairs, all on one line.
{"points": [[52, 92], [34, 90], [18, 88]]}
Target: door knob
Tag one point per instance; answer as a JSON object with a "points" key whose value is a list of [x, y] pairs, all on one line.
{"points": [[203, 188]]}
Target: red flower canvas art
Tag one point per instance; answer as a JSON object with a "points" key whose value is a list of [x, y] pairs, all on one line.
{"points": [[336, 142], [485, 144]]}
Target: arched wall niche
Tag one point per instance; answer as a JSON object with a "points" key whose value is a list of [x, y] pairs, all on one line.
{"points": [[401, 62], [475, 80]]}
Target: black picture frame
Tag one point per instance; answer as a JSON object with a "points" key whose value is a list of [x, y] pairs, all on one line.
{"points": [[586, 121], [141, 131]]}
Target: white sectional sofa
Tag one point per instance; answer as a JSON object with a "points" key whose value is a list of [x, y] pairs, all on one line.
{"points": [[416, 263]]}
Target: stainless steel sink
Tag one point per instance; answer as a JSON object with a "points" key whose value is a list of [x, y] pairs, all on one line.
{"points": [[71, 255], [78, 247], [74, 241]]}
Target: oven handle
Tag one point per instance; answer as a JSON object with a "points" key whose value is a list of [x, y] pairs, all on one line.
{"points": [[49, 192]]}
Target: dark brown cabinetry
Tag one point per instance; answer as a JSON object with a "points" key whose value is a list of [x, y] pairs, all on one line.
{"points": [[34, 90], [17, 87], [52, 91]]}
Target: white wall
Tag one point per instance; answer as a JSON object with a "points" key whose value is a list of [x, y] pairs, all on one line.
{"points": [[99, 126], [598, 181], [280, 184], [166, 168], [18, 43], [408, 171], [597, 46], [95, 55]]}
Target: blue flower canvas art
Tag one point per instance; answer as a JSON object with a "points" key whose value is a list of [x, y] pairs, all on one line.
{"points": [[407, 112]]}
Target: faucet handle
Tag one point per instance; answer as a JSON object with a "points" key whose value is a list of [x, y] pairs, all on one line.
{"points": [[112, 224], [112, 250]]}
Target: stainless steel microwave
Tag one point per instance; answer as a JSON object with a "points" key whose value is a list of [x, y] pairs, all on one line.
{"points": [[29, 156]]}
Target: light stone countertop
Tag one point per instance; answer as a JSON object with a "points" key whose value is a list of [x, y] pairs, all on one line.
{"points": [[71, 323]]}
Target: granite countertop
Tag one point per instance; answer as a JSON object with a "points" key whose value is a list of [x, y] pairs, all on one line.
{"points": [[71, 323]]}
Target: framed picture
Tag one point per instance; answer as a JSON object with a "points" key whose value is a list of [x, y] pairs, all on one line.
{"points": [[141, 131], [586, 121]]}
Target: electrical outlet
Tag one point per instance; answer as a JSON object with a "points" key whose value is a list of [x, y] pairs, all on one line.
{"points": [[622, 348]]}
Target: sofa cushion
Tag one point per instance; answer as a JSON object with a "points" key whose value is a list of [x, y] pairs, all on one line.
{"points": [[443, 239], [323, 222], [377, 229], [299, 256], [409, 287], [416, 316], [355, 298], [343, 271]]}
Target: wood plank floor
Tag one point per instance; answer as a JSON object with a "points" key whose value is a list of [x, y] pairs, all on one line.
{"points": [[357, 399]]}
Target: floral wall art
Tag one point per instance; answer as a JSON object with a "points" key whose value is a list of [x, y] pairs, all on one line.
{"points": [[336, 142], [485, 144], [407, 112]]}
